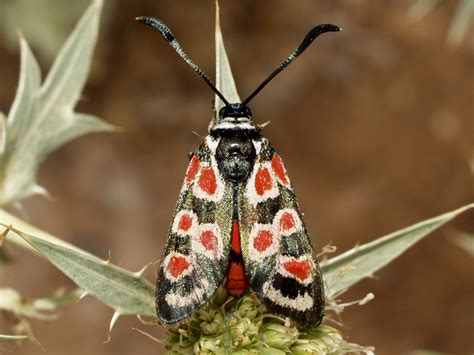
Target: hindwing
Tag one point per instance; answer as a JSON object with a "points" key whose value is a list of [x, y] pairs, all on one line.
{"points": [[279, 259], [197, 251]]}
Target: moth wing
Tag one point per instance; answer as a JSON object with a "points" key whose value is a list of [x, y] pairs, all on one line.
{"points": [[279, 260], [197, 250]]}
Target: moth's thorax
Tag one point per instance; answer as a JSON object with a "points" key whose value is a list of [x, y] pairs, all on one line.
{"points": [[235, 154]]}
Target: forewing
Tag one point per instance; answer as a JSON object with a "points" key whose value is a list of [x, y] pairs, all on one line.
{"points": [[197, 250], [279, 259]]}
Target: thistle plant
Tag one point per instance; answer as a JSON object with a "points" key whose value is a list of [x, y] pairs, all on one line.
{"points": [[42, 118], [243, 326]]}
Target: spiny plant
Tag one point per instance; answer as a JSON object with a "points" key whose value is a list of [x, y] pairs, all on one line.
{"points": [[42, 118]]}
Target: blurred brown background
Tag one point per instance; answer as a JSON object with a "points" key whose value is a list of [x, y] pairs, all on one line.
{"points": [[375, 125]]}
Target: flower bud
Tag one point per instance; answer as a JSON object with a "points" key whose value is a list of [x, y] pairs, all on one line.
{"points": [[277, 335], [209, 345], [243, 332]]}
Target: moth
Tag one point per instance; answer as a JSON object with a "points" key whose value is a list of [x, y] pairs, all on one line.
{"points": [[237, 222]]}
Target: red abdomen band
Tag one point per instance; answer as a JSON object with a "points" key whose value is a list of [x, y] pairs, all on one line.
{"points": [[236, 280]]}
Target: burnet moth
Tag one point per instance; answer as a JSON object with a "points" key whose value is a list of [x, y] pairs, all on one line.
{"points": [[237, 222]]}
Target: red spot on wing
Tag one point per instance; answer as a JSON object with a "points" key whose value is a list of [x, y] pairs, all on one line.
{"points": [[300, 269], [208, 240], [263, 181], [278, 168], [177, 265], [192, 169], [207, 181], [263, 240], [185, 222], [286, 221]]}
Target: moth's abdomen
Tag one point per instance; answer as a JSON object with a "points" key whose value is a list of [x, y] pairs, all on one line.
{"points": [[236, 280]]}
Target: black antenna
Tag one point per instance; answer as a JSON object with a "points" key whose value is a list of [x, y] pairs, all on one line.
{"points": [[309, 38], [166, 33]]}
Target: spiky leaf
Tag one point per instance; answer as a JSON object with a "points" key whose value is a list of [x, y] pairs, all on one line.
{"points": [[42, 117], [124, 291], [40, 308], [9, 338], [9, 219], [224, 79], [362, 261], [465, 241]]}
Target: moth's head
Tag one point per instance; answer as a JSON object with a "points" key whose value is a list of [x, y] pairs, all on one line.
{"points": [[235, 111], [233, 116]]}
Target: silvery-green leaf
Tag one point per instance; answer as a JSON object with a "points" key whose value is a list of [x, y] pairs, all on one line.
{"points": [[421, 8], [124, 291], [224, 78], [42, 117], [465, 241], [58, 298], [40, 308], [45, 23], [462, 21], [362, 261], [9, 338], [11, 300], [460, 24], [9, 219]]}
